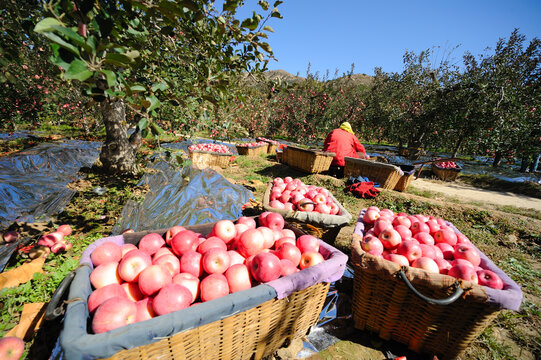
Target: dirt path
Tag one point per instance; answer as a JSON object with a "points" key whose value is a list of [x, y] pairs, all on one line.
{"points": [[473, 194]]}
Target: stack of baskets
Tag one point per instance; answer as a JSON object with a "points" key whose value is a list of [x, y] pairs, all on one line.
{"points": [[204, 159], [386, 175], [307, 160], [384, 303], [446, 174], [244, 325], [322, 226], [253, 151]]}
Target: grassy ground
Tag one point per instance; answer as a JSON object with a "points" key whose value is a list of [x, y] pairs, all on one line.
{"points": [[511, 240]]}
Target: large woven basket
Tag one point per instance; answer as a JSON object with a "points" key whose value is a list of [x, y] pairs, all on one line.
{"points": [[446, 174], [204, 159], [384, 304], [238, 329], [324, 227], [252, 151], [386, 175], [310, 161], [405, 180]]}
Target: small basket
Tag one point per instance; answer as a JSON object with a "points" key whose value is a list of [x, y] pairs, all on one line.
{"points": [[252, 151], [310, 161], [249, 324], [446, 174], [399, 303], [323, 226], [204, 159], [386, 175], [405, 180], [272, 145]]}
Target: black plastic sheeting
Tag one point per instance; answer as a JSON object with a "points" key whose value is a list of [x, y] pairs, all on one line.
{"points": [[33, 181], [182, 196]]}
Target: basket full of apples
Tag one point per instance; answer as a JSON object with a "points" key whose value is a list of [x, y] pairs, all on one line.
{"points": [[311, 207], [206, 155], [221, 290], [446, 170], [421, 282]]}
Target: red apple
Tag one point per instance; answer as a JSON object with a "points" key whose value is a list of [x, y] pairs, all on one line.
{"points": [[172, 232], [215, 261], [284, 240], [370, 216], [288, 233], [171, 297], [419, 226], [114, 313], [380, 225], [463, 262], [289, 251], [308, 243], [238, 278], [251, 242], [58, 248], [240, 228], [153, 278], [402, 220], [390, 238], [190, 282], [184, 241], [10, 236], [106, 252], [213, 286], [467, 252], [132, 291], [490, 279], [126, 248], [372, 245], [132, 264], [11, 348], [170, 261], [98, 296], [265, 267], [288, 267], [464, 272], [445, 236], [443, 265], [150, 243], [144, 310], [334, 208], [399, 259], [310, 258], [262, 218], [268, 236], [405, 233], [225, 230], [162, 251], [104, 275], [191, 263], [210, 243], [235, 257], [462, 239], [424, 238], [275, 221], [426, 264], [447, 250], [410, 250]]}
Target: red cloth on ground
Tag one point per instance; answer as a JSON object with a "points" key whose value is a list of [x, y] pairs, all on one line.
{"points": [[343, 144]]}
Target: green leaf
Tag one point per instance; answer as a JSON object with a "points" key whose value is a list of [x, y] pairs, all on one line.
{"points": [[162, 85], [111, 78], [190, 5], [264, 5], [58, 40], [133, 54], [268, 28], [137, 88], [118, 59], [276, 14], [73, 36], [46, 25], [155, 129], [78, 71], [231, 5], [221, 19], [154, 103], [143, 123]]}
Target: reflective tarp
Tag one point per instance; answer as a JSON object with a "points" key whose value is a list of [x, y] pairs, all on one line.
{"points": [[182, 196], [33, 181], [18, 135]]}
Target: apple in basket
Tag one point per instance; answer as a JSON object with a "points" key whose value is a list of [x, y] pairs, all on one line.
{"points": [[490, 279], [11, 347], [265, 267], [106, 252], [238, 278]]}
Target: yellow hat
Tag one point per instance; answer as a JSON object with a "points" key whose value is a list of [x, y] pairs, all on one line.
{"points": [[347, 126]]}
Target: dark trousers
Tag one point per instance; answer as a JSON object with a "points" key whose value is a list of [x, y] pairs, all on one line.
{"points": [[336, 171]]}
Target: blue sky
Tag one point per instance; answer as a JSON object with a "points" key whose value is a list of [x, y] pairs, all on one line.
{"points": [[334, 34]]}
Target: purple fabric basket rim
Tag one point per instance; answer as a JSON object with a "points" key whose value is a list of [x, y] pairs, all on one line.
{"points": [[508, 298]]}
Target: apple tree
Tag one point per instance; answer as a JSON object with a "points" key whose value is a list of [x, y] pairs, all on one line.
{"points": [[135, 56]]}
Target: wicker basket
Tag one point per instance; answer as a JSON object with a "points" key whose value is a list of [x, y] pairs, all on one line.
{"points": [[405, 180], [384, 304], [324, 227], [252, 151], [237, 330], [386, 175], [272, 145], [446, 174], [204, 159], [310, 161]]}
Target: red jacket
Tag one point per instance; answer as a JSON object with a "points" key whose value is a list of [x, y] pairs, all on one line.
{"points": [[342, 143]]}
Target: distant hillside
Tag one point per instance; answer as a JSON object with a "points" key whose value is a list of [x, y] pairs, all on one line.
{"points": [[284, 76], [362, 79]]}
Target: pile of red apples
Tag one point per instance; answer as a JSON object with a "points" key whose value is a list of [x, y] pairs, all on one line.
{"points": [[217, 148], [55, 241], [426, 243], [274, 142], [253, 144], [447, 164], [293, 194], [182, 268]]}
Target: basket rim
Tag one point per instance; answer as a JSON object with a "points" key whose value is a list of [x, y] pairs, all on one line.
{"points": [[373, 163], [210, 153], [316, 151]]}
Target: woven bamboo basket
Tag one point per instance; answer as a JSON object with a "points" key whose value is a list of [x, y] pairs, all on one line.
{"points": [[272, 145], [254, 333], [310, 161], [386, 175], [405, 180], [446, 174], [253, 151], [204, 159], [324, 227], [384, 303]]}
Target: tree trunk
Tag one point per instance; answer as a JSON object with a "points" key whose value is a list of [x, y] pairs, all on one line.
{"points": [[497, 159], [458, 145], [118, 153]]}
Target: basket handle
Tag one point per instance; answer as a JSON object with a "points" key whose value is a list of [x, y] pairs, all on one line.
{"points": [[451, 299], [55, 307]]}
